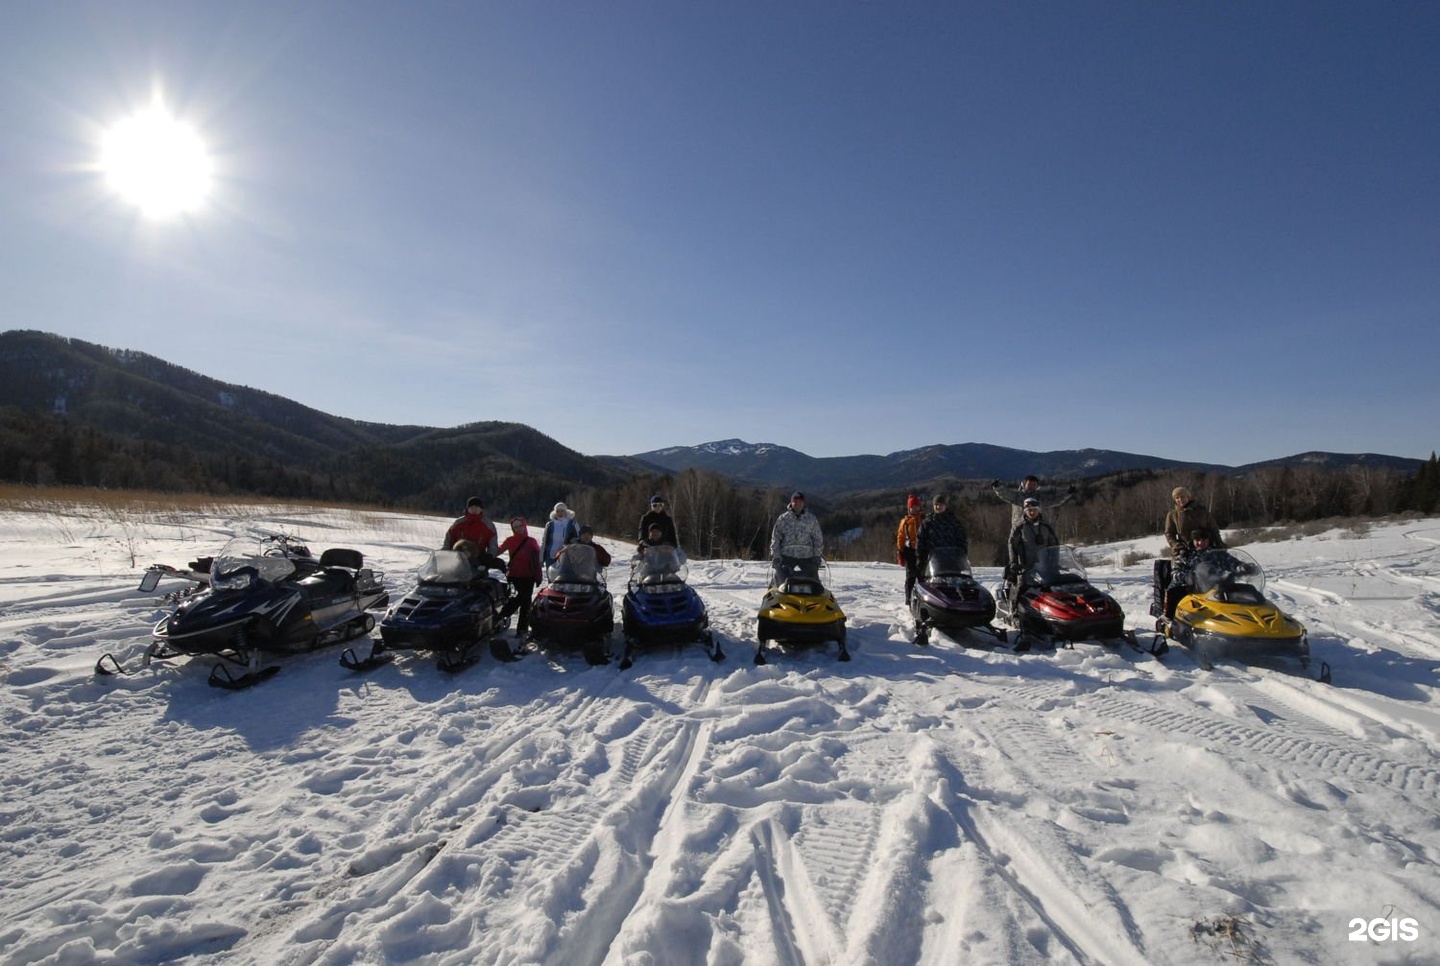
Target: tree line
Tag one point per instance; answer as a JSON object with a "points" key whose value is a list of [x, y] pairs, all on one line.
{"points": [[719, 518], [715, 516]]}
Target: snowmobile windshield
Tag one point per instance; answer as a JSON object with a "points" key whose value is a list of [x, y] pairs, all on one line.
{"points": [[575, 565], [446, 567], [1221, 568], [948, 562], [658, 565], [266, 556], [1056, 566], [808, 575]]}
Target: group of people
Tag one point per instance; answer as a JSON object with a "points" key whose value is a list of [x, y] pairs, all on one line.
{"points": [[531, 559], [918, 536], [797, 543], [1190, 532]]}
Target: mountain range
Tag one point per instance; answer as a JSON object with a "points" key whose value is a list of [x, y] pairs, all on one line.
{"points": [[768, 464], [129, 396]]}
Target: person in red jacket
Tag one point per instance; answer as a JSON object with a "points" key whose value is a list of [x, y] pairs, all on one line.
{"points": [[524, 572], [473, 527]]}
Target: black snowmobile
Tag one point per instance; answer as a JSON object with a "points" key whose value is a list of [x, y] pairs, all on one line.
{"points": [[948, 598], [261, 600], [454, 609]]}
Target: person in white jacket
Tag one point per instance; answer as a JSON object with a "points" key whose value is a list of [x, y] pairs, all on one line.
{"points": [[796, 541]]}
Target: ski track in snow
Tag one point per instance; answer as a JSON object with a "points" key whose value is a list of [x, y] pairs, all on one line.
{"points": [[919, 805]]}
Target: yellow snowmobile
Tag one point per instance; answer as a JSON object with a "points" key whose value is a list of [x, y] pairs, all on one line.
{"points": [[1223, 613], [797, 609]]}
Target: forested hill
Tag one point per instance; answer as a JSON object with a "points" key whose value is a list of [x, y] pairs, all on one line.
{"points": [[74, 412]]}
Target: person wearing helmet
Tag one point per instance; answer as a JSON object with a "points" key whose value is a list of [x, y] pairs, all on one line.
{"points": [[907, 543], [796, 542]]}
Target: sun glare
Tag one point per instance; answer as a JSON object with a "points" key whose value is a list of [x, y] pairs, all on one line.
{"points": [[156, 163]]}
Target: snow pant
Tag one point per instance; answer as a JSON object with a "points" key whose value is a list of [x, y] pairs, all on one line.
{"points": [[519, 603], [912, 570]]}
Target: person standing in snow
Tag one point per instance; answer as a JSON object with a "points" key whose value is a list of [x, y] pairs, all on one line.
{"points": [[796, 540], [907, 543], [560, 530], [657, 516], [1048, 497], [473, 527], [524, 572], [941, 531], [1026, 541], [1188, 516]]}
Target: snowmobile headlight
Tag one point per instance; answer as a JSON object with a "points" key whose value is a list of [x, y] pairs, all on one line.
{"points": [[241, 579]]}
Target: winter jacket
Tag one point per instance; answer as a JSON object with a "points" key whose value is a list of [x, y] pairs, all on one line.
{"points": [[558, 532], [1181, 520], [1026, 541], [667, 527], [907, 535], [472, 527], [602, 556], [524, 557], [944, 529], [1049, 497], [796, 535]]}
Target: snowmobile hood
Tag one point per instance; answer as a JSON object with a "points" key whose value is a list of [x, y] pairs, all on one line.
{"points": [[801, 608], [1237, 614]]}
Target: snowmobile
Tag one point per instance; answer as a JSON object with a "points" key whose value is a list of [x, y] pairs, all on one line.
{"points": [[661, 608], [260, 600], [1223, 613], [797, 609], [948, 598], [574, 609], [1055, 605], [197, 571], [453, 609]]}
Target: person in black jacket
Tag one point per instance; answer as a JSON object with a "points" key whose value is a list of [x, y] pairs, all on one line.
{"points": [[1026, 541], [656, 516], [942, 529]]}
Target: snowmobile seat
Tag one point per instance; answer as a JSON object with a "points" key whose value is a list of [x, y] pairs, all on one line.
{"points": [[326, 582], [804, 586], [1240, 594], [342, 557]]}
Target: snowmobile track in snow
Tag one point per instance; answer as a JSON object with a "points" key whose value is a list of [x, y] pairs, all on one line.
{"points": [[1287, 744]]}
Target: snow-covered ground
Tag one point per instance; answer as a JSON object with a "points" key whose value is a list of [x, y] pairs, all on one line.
{"points": [[940, 805]]}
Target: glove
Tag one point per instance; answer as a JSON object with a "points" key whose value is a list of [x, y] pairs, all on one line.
{"points": [[994, 484], [899, 558]]}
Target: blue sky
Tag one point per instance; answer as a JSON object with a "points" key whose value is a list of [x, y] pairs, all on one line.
{"points": [[1205, 231]]}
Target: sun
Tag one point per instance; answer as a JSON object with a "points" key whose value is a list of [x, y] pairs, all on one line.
{"points": [[156, 163]]}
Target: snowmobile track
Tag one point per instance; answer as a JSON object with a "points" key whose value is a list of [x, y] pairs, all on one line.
{"points": [[1287, 745]]}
